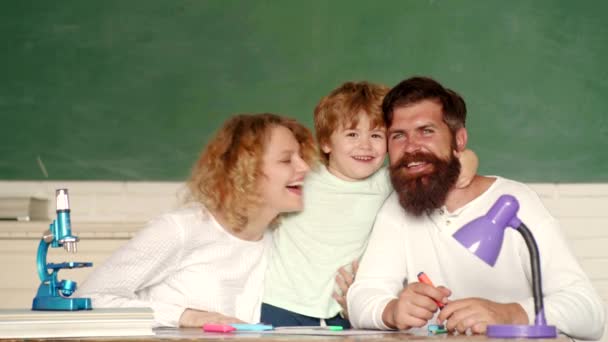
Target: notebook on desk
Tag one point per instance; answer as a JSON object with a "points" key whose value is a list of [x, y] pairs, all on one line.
{"points": [[25, 323]]}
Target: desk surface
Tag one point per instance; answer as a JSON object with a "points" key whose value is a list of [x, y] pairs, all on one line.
{"points": [[197, 334]]}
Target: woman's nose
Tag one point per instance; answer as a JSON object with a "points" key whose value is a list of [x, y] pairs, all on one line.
{"points": [[302, 166]]}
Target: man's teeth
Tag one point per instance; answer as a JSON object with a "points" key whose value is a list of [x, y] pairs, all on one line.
{"points": [[413, 164], [363, 158]]}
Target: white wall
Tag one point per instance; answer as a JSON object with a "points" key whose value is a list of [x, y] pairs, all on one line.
{"points": [[106, 214]]}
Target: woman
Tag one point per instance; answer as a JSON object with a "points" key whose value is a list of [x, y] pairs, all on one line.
{"points": [[206, 263]]}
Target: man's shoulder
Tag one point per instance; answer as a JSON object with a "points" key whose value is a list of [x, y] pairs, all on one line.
{"points": [[528, 199], [513, 187], [392, 207]]}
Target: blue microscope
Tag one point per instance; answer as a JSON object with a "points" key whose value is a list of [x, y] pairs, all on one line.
{"points": [[52, 293]]}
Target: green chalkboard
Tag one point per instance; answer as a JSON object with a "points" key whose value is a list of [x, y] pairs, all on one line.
{"points": [[131, 90]]}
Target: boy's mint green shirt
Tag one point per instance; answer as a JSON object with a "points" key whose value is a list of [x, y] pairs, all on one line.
{"points": [[331, 232]]}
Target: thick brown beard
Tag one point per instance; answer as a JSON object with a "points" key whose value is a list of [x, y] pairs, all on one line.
{"points": [[423, 193]]}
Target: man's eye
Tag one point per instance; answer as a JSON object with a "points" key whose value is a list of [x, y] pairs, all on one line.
{"points": [[427, 131], [397, 136]]}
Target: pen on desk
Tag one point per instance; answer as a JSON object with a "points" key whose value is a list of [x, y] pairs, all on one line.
{"points": [[423, 278], [436, 329], [316, 327], [332, 328], [251, 327], [223, 328]]}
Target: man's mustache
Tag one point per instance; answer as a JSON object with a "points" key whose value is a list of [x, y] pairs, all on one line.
{"points": [[408, 158]]}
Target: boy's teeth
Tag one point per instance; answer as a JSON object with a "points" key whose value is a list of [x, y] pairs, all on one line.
{"points": [[363, 158]]}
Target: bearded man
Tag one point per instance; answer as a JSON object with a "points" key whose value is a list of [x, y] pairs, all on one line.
{"points": [[413, 233]]}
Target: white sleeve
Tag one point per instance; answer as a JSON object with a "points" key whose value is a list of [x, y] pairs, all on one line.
{"points": [[570, 301], [381, 272], [147, 259]]}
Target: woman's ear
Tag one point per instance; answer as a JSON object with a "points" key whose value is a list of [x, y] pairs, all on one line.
{"points": [[325, 148]]}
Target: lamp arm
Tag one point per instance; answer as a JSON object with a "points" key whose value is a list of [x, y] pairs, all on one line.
{"points": [[537, 289]]}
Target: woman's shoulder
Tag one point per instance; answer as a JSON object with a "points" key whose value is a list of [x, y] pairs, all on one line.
{"points": [[190, 217]]}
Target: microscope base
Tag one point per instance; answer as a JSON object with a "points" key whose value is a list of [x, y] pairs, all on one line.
{"points": [[61, 304]]}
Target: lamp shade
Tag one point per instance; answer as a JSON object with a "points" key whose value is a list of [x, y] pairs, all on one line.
{"points": [[483, 236]]}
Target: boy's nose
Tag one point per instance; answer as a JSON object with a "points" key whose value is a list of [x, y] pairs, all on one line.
{"points": [[365, 143]]}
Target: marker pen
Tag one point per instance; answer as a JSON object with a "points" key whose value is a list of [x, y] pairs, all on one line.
{"points": [[251, 327], [313, 327], [436, 329], [223, 328], [423, 278]]}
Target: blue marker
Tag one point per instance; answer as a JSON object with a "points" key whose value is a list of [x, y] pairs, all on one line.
{"points": [[435, 329], [251, 327], [313, 327]]}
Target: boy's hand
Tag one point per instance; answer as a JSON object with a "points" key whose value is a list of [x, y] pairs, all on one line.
{"points": [[191, 318], [344, 279], [468, 168]]}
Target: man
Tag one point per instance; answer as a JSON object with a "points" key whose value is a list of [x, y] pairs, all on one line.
{"points": [[413, 233]]}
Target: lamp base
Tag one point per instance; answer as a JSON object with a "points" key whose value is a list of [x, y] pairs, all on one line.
{"points": [[521, 331]]}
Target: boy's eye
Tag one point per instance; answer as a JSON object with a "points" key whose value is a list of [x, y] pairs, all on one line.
{"points": [[378, 136], [286, 161], [351, 134]]}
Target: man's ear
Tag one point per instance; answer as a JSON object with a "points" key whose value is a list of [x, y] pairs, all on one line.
{"points": [[461, 139]]}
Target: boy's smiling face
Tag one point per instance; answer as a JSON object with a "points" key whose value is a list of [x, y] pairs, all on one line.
{"points": [[356, 153]]}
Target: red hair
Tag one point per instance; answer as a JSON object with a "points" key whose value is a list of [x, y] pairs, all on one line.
{"points": [[341, 109], [225, 177]]}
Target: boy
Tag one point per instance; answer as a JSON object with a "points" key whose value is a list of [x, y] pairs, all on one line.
{"points": [[341, 200]]}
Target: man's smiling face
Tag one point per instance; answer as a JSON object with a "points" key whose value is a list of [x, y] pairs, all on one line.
{"points": [[421, 151]]}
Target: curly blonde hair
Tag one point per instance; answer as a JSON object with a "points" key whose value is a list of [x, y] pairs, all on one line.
{"points": [[341, 109], [225, 177]]}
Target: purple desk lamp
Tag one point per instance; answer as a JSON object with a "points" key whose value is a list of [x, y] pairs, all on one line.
{"points": [[483, 237]]}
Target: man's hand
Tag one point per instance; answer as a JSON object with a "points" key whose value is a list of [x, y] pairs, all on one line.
{"points": [[195, 318], [344, 279], [415, 306], [476, 314], [468, 168]]}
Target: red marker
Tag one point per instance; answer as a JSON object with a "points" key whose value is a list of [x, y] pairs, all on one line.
{"points": [[423, 278], [223, 328]]}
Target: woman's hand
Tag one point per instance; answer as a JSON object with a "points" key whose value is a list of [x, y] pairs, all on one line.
{"points": [[192, 318]]}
